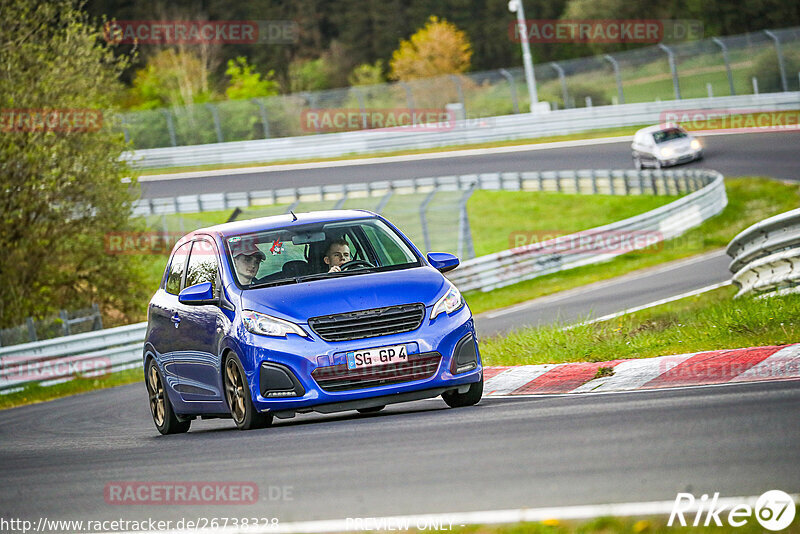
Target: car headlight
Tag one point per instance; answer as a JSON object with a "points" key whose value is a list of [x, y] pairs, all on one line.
{"points": [[696, 145], [450, 302], [666, 152], [266, 325]]}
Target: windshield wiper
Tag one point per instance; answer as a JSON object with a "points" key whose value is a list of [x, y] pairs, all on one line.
{"points": [[282, 282], [319, 276]]}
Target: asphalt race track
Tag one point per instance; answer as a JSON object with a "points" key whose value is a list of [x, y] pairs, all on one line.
{"points": [[611, 296], [421, 457], [763, 154]]}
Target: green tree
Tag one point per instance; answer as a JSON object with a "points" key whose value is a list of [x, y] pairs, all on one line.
{"points": [[437, 48], [245, 83], [171, 78], [61, 186]]}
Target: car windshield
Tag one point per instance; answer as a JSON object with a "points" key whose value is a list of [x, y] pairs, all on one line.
{"points": [[323, 250], [669, 134]]}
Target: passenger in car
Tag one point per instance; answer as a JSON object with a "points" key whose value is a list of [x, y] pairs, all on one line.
{"points": [[338, 252], [247, 258]]}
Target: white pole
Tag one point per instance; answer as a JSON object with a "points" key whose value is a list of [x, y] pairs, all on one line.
{"points": [[527, 62]]}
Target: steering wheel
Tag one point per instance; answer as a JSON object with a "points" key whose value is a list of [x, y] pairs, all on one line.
{"points": [[355, 263]]}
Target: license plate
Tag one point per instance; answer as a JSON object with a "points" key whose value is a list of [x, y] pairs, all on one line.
{"points": [[359, 359]]}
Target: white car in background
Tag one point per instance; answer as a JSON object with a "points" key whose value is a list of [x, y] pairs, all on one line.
{"points": [[664, 145]]}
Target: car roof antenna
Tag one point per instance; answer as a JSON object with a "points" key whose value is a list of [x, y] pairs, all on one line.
{"points": [[294, 217]]}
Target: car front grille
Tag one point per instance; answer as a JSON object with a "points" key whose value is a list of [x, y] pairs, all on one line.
{"points": [[368, 323], [340, 378]]}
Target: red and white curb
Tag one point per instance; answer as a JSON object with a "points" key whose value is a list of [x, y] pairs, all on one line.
{"points": [[695, 369]]}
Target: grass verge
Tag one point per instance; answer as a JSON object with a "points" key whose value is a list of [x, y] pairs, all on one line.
{"points": [[749, 200], [709, 321]]}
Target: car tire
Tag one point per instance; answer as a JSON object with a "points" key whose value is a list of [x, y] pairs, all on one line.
{"points": [[160, 407], [372, 409], [237, 396], [454, 399], [657, 163]]}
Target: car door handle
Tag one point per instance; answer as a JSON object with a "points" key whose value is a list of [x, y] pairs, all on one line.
{"points": [[176, 320]]}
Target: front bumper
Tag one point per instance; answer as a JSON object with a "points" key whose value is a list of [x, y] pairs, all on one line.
{"points": [[298, 358], [683, 158]]}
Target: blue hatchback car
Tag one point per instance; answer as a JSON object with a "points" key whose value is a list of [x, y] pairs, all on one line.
{"points": [[325, 311]]}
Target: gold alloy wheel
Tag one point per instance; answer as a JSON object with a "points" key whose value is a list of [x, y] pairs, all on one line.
{"points": [[234, 390], [156, 391]]}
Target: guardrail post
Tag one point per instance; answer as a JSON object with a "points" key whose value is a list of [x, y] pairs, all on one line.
{"points": [[719, 43], [627, 185], [615, 66], [510, 78], [423, 221], [217, 125], [709, 90], [781, 66], [170, 127], [262, 111], [563, 79], [558, 181], [577, 184], [755, 85], [611, 187], [674, 68], [594, 182]]}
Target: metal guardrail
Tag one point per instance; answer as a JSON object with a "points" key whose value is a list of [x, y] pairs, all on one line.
{"points": [[603, 243], [766, 256], [56, 360], [502, 128]]}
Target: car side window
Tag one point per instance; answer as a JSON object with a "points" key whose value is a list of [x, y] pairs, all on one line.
{"points": [[203, 266], [176, 267]]}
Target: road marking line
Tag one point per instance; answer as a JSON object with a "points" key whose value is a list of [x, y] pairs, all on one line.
{"points": [[651, 304]]}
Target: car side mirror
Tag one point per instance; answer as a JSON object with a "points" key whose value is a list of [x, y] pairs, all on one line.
{"points": [[443, 261], [198, 295]]}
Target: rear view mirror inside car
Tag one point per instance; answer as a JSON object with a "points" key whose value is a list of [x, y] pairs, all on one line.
{"points": [[308, 237]]}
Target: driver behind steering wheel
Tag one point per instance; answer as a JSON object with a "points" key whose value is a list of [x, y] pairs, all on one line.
{"points": [[338, 252]]}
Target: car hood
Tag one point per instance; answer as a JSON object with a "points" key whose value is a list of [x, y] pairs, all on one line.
{"points": [[298, 302], [678, 144]]}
